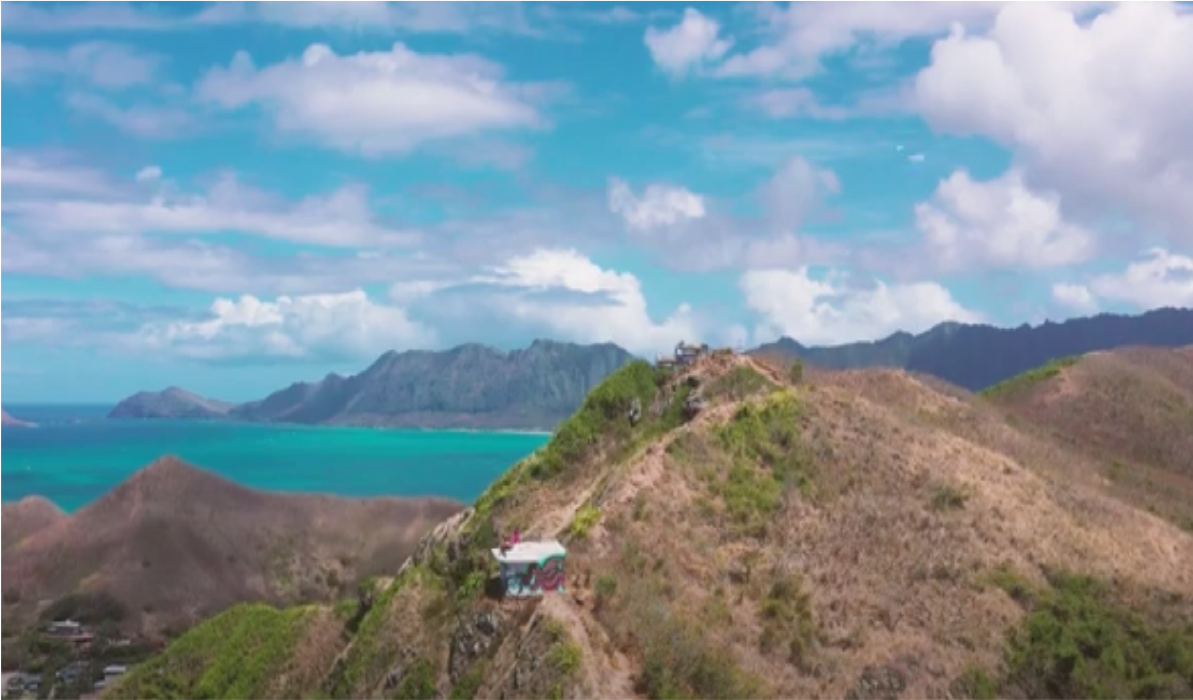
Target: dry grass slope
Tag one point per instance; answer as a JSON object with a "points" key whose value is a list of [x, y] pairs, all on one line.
{"points": [[174, 544], [863, 534]]}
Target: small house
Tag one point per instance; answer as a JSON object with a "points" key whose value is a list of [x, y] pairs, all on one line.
{"points": [[531, 568], [687, 353]]}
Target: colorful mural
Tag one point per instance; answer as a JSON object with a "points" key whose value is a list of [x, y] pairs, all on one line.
{"points": [[533, 579]]}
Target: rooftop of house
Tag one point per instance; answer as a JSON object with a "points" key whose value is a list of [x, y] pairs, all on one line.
{"points": [[526, 552]]}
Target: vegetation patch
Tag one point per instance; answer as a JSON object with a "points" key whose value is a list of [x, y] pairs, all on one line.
{"points": [[236, 654], [469, 683], [418, 683], [738, 383], [753, 462], [603, 417], [788, 623], [1078, 642], [946, 497], [586, 517], [681, 658], [1029, 378]]}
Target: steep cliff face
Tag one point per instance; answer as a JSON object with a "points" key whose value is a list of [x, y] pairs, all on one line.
{"points": [[864, 534], [470, 386]]}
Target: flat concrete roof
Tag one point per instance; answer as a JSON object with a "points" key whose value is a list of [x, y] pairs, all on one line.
{"points": [[526, 552]]}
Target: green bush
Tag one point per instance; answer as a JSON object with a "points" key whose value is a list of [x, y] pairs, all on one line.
{"points": [[788, 620], [737, 384], [1077, 642], [418, 683], [796, 373], [586, 517], [602, 416]]}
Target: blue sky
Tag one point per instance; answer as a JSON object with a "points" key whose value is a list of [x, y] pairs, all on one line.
{"points": [[229, 197]]}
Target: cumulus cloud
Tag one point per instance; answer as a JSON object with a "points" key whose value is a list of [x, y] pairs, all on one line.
{"points": [[802, 33], [680, 226], [142, 119], [691, 43], [1074, 296], [832, 310], [382, 102], [660, 205], [563, 294], [1098, 111], [149, 173], [1160, 278], [323, 327], [998, 223]]}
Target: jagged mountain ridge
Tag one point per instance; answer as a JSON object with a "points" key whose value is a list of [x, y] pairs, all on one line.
{"points": [[979, 356], [470, 386], [475, 386], [860, 534]]}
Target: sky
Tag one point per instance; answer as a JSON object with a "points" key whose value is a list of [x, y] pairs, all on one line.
{"points": [[230, 197]]}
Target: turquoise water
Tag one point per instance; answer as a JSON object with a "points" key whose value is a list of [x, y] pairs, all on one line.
{"points": [[75, 455]]}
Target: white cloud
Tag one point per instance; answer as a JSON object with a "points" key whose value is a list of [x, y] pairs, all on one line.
{"points": [[45, 173], [998, 223], [916, 158], [1075, 296], [1098, 111], [660, 205], [313, 327], [100, 63], [149, 173], [343, 218], [831, 311], [798, 36], [379, 102], [691, 43], [557, 293], [680, 227], [1159, 279]]}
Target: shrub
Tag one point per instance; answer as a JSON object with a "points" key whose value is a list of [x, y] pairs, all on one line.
{"points": [[1076, 642], [737, 384], [586, 517], [602, 415], [788, 620], [418, 683], [796, 373], [948, 497]]}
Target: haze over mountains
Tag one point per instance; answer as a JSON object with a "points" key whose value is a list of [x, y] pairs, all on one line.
{"points": [[173, 544], [862, 534], [473, 386]]}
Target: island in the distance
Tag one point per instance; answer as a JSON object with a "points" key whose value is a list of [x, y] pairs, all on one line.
{"points": [[8, 420], [477, 387]]}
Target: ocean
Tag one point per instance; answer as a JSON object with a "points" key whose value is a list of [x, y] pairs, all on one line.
{"points": [[75, 455]]}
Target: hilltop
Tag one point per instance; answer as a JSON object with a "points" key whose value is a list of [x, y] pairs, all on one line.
{"points": [[1130, 412], [8, 420], [470, 386], [169, 403], [173, 544], [865, 534], [978, 356]]}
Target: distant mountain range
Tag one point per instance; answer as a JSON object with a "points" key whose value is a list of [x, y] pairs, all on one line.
{"points": [[470, 386], [979, 356], [474, 386]]}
